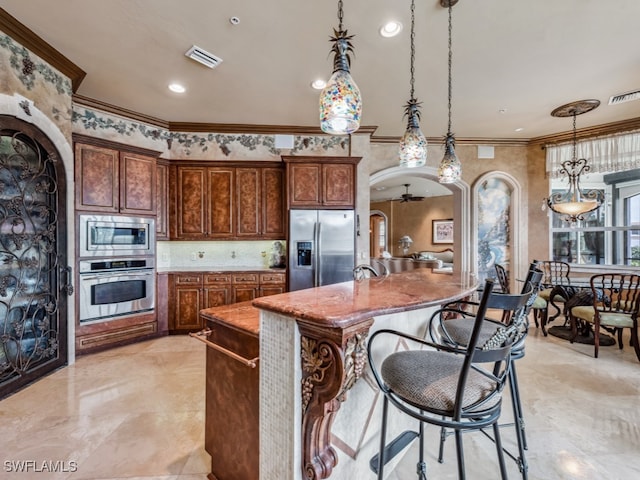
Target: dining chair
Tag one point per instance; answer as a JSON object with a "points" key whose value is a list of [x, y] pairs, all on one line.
{"points": [[447, 386], [616, 301], [556, 277], [457, 331]]}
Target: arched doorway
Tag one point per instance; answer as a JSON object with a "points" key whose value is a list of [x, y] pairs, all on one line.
{"points": [[461, 208], [34, 277]]}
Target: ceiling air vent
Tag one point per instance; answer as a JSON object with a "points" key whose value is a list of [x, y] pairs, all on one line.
{"points": [[202, 56], [624, 97]]}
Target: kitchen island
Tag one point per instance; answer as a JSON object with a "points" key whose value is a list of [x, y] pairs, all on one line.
{"points": [[317, 399]]}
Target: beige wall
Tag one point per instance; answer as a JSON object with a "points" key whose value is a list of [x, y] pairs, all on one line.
{"points": [[525, 164]]}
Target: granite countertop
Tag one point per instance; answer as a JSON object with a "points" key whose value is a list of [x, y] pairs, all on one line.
{"points": [[344, 304], [241, 316], [214, 268]]}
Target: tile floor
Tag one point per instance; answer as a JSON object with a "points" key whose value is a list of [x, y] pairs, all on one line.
{"points": [[136, 412]]}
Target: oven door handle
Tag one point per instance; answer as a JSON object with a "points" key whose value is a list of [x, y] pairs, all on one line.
{"points": [[99, 276]]}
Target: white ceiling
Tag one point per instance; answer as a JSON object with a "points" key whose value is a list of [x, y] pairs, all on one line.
{"points": [[523, 57], [513, 62]]}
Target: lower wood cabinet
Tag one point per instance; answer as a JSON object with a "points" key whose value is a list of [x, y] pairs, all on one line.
{"points": [[191, 292]]}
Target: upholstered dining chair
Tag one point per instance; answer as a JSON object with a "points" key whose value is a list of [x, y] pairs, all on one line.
{"points": [[457, 331], [556, 274], [446, 386], [616, 301]]}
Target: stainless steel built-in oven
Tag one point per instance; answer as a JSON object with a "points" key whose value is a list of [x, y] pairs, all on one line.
{"points": [[114, 288], [110, 235]]}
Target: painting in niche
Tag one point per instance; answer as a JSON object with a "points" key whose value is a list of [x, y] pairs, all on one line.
{"points": [[494, 223]]}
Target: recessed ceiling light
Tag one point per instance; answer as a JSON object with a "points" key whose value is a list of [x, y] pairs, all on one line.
{"points": [[519, 129], [318, 84], [391, 29], [177, 88]]}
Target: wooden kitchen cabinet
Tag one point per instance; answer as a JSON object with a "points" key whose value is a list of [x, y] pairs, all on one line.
{"points": [[316, 182], [114, 178], [245, 287], [191, 292], [272, 284], [204, 205], [185, 302], [217, 289], [162, 200], [260, 201], [230, 202]]}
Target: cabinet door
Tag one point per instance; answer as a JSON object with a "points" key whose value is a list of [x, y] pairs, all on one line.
{"points": [[273, 212], [187, 308], [217, 289], [304, 184], [221, 202], [244, 293], [162, 201], [248, 187], [191, 195], [338, 184], [96, 178], [137, 184]]}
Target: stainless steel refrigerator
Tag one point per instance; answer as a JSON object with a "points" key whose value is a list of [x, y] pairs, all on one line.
{"points": [[321, 247]]}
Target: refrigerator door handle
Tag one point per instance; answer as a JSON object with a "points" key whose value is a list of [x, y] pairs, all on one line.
{"points": [[318, 258]]}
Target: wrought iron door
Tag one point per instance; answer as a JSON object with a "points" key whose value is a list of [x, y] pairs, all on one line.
{"points": [[34, 278]]}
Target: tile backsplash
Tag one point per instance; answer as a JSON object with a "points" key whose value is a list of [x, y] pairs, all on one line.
{"points": [[253, 254]]}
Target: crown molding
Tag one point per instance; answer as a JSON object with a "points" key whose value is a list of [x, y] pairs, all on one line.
{"points": [[589, 132], [28, 39], [122, 112]]}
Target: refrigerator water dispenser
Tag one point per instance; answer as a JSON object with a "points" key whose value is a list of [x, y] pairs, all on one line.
{"points": [[304, 254]]}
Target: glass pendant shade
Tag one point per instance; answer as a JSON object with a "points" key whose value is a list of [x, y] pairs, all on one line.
{"points": [[574, 203], [450, 167], [413, 148], [340, 105]]}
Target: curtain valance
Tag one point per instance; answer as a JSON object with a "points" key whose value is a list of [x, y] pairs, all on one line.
{"points": [[612, 153]]}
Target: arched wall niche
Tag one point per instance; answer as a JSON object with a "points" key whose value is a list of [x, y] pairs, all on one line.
{"points": [[461, 208], [492, 193]]}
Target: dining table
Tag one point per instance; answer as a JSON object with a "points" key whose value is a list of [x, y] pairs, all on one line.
{"points": [[566, 290]]}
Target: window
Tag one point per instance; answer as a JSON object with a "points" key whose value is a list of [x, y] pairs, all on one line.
{"points": [[611, 234]]}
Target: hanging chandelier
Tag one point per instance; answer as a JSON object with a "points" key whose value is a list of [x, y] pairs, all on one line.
{"points": [[450, 168], [574, 203], [413, 144], [340, 101]]}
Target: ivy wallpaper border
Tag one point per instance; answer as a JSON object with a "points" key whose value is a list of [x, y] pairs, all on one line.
{"points": [[26, 68], [91, 120]]}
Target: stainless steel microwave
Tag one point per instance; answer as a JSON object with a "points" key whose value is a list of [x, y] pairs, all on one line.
{"points": [[109, 235]]}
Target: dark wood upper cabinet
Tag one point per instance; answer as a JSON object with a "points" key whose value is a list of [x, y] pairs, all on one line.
{"points": [[221, 202], [321, 182], [162, 200], [114, 178], [234, 202]]}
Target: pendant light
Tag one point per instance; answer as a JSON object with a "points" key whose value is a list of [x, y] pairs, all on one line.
{"points": [[340, 101], [413, 144], [450, 168], [574, 203]]}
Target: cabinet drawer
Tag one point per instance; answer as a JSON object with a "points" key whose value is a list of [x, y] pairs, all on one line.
{"points": [[242, 278], [188, 279], [272, 278], [217, 279]]}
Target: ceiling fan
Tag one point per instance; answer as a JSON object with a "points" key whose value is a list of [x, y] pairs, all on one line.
{"points": [[408, 197]]}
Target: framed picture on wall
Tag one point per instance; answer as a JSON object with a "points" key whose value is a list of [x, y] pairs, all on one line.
{"points": [[442, 231]]}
